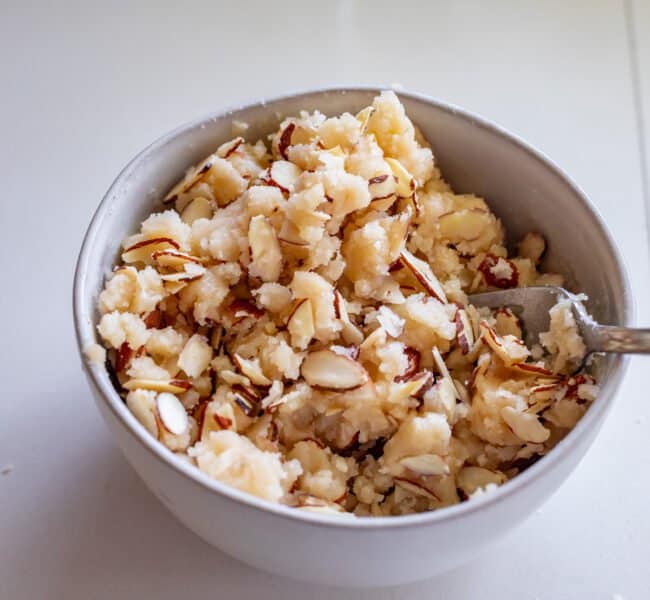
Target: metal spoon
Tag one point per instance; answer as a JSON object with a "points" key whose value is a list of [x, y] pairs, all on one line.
{"points": [[532, 305]]}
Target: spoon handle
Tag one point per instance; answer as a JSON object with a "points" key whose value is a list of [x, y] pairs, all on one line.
{"points": [[621, 340]]}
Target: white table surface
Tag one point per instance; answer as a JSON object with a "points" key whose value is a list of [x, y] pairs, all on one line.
{"points": [[84, 87]]}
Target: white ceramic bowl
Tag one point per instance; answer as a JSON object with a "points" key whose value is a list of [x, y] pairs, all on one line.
{"points": [[524, 188]]}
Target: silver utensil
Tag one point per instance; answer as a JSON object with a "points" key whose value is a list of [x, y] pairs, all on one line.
{"points": [[532, 305]]}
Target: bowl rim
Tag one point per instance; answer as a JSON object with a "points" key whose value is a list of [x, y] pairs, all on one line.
{"points": [[85, 335]]}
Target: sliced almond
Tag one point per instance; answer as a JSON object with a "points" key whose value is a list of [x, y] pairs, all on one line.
{"points": [[533, 370], [191, 271], [426, 464], [423, 273], [192, 177], [199, 208], [382, 203], [173, 287], [172, 413], [413, 387], [285, 140], [525, 425], [416, 488], [363, 117], [508, 348], [240, 309], [413, 361], [329, 370], [545, 391], [464, 332], [443, 395], [440, 363], [463, 225], [251, 368], [351, 333], [228, 148], [282, 174], [382, 191], [275, 397], [248, 407], [301, 324], [174, 259], [175, 386], [499, 272], [247, 391], [405, 181], [143, 251]]}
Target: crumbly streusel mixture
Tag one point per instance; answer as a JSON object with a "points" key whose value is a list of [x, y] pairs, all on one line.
{"points": [[296, 324]]}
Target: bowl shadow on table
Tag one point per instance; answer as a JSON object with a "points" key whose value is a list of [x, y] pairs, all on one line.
{"points": [[125, 544]]}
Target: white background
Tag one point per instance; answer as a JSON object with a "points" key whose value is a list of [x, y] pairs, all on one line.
{"points": [[84, 87]]}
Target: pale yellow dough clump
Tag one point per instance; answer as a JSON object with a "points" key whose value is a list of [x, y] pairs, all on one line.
{"points": [[295, 323]]}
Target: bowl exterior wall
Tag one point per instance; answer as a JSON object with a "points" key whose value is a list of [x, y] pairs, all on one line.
{"points": [[522, 188]]}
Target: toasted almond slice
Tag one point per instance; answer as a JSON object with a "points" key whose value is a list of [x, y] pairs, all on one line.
{"points": [[499, 272], [383, 203], [405, 181], [143, 251], [416, 488], [392, 323], [329, 370], [301, 324], [227, 148], [461, 391], [363, 117], [463, 225], [190, 272], [173, 287], [464, 332], [175, 386], [199, 208], [444, 395], [248, 405], [351, 333], [282, 174], [545, 391], [192, 177], [413, 387], [174, 259], [275, 396], [508, 348], [285, 140], [426, 464], [251, 369], [223, 417], [413, 360], [241, 308], [423, 273], [172, 413], [248, 391], [440, 363], [525, 425], [533, 370]]}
